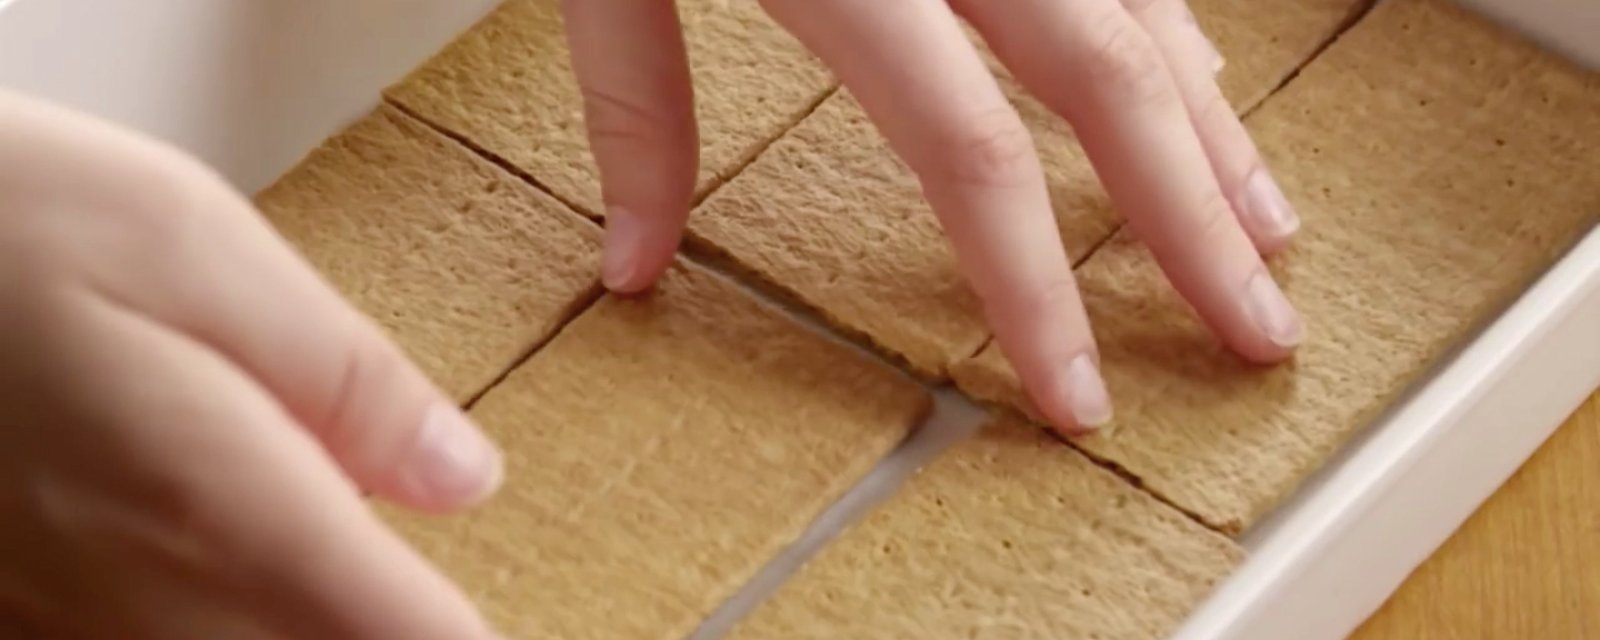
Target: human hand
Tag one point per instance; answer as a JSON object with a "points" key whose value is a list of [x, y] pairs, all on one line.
{"points": [[1135, 78], [188, 415]]}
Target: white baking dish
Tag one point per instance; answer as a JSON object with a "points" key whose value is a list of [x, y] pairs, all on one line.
{"points": [[252, 85]]}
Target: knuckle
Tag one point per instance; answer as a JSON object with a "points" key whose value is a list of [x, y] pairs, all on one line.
{"points": [[1173, 233], [365, 373], [991, 149], [149, 513], [1035, 306], [1123, 63], [155, 204], [371, 413], [613, 118], [1214, 221], [160, 508], [170, 201], [1213, 113], [1054, 299]]}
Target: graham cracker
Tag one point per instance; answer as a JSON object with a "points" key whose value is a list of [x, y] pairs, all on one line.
{"points": [[659, 451], [1439, 163], [1264, 44], [506, 85], [1011, 534], [832, 218], [464, 265]]}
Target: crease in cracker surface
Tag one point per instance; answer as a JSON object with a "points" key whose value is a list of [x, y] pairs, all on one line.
{"points": [[1439, 163]]}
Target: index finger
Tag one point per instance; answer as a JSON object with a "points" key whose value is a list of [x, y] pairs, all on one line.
{"points": [[215, 483], [925, 87], [633, 69]]}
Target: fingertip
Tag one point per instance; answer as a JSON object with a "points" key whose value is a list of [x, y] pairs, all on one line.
{"points": [[1072, 396], [636, 254], [452, 465], [1089, 402], [1278, 326], [1266, 213], [1242, 306], [623, 237]]}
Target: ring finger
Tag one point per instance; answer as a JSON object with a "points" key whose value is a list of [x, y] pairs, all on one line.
{"points": [[1263, 211]]}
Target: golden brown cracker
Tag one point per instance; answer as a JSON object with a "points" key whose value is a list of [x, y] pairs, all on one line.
{"points": [[464, 265], [830, 217], [1439, 163], [659, 451], [506, 86], [1011, 534]]}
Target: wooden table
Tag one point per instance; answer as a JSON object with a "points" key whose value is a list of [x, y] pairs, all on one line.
{"points": [[1526, 565]]}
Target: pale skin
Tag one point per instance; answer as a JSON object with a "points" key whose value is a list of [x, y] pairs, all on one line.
{"points": [[189, 415]]}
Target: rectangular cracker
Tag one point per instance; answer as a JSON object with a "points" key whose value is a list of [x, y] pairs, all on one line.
{"points": [[1264, 44], [1439, 163], [506, 85], [463, 264], [1011, 534], [831, 218], [659, 452]]}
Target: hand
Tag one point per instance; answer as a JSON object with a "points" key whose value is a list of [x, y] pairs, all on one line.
{"points": [[1134, 78], [188, 415]]}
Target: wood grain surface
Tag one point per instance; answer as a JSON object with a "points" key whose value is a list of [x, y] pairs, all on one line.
{"points": [[1524, 565]]}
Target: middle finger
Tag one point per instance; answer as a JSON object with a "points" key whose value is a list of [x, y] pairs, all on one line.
{"points": [[1094, 63], [925, 87]]}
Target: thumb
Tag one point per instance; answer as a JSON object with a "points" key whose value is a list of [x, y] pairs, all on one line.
{"points": [[226, 519], [335, 370], [380, 417], [390, 429], [169, 368]]}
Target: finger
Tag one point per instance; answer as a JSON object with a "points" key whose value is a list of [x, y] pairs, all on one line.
{"points": [[131, 601], [1262, 209], [630, 61], [1093, 63], [1186, 48], [210, 266], [928, 91], [203, 484]]}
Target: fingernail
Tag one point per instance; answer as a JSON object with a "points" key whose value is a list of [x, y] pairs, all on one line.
{"points": [[452, 461], [1272, 311], [1086, 393], [624, 237], [1265, 202]]}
